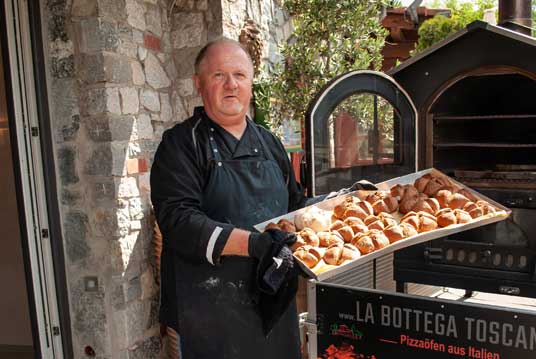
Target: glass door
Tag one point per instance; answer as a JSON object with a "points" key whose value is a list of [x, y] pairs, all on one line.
{"points": [[362, 125]]}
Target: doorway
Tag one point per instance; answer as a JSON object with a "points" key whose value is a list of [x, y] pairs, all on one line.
{"points": [[15, 324]]}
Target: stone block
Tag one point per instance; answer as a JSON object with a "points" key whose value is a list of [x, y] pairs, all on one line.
{"points": [[135, 226], [148, 348], [142, 53], [144, 183], [108, 127], [179, 111], [151, 42], [202, 5], [67, 165], [155, 75], [70, 196], [144, 127], [153, 20], [132, 166], [135, 14], [185, 87], [57, 22], [65, 113], [104, 67], [100, 161], [150, 100], [138, 77], [169, 66], [103, 190], [84, 8], [135, 206], [134, 149], [96, 34], [62, 67], [119, 156], [112, 10], [189, 30], [137, 36], [166, 112], [126, 187], [184, 61], [193, 103], [130, 103], [101, 100], [75, 230], [127, 48], [133, 289]]}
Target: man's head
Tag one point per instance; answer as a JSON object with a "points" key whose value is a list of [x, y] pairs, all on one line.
{"points": [[223, 78]]}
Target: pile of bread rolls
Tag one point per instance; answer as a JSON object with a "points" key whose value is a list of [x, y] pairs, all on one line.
{"points": [[361, 226]]}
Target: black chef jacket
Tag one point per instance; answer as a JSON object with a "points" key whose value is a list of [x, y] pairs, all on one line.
{"points": [[180, 173]]}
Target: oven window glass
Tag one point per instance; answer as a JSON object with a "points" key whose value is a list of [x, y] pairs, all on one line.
{"points": [[362, 132]]}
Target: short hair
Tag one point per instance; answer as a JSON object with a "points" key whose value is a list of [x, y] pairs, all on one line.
{"points": [[221, 40]]}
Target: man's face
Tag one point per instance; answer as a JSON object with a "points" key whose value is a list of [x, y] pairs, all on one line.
{"points": [[224, 82]]}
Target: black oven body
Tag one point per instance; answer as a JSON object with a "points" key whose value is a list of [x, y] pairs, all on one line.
{"points": [[476, 121]]}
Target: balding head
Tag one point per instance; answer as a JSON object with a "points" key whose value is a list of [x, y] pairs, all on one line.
{"points": [[214, 43]]}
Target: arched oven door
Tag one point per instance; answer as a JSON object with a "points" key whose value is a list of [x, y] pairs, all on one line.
{"points": [[362, 125]]}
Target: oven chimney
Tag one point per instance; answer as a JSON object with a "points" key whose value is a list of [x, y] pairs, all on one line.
{"points": [[516, 15]]}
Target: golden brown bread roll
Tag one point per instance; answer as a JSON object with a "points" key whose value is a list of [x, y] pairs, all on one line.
{"points": [[366, 207], [407, 204], [442, 197], [299, 243], [486, 207], [436, 184], [271, 225], [408, 230], [339, 209], [397, 191], [422, 205], [349, 252], [434, 204], [446, 217], [351, 221], [410, 191], [468, 195], [394, 233], [426, 224], [355, 211], [412, 220], [387, 219], [327, 239], [364, 244], [379, 239], [336, 225], [346, 233], [306, 257], [462, 216], [309, 237], [457, 201], [373, 222], [286, 226], [333, 254], [421, 182], [318, 252]]}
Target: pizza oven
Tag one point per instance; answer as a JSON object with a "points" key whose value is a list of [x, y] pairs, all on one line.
{"points": [[475, 120]]}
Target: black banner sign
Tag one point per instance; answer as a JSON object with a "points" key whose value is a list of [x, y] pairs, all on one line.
{"points": [[367, 324]]}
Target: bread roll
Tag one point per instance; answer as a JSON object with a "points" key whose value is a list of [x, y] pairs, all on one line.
{"points": [[407, 204], [336, 225], [349, 253], [286, 226], [397, 191], [442, 197], [457, 201], [468, 195], [333, 254], [394, 233], [314, 218], [271, 225], [422, 205], [462, 216], [364, 244], [421, 183], [426, 224], [379, 239], [434, 204], [306, 257], [327, 239], [299, 243], [346, 233], [366, 207], [446, 217], [309, 236], [387, 219], [412, 220], [318, 252], [355, 211], [408, 230], [351, 221], [436, 184]]}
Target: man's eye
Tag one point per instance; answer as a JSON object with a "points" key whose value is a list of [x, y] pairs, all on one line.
{"points": [[218, 75], [240, 75]]}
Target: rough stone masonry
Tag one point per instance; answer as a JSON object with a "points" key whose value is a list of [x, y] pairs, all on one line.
{"points": [[120, 75]]}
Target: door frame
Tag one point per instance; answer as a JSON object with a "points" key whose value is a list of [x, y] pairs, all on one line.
{"points": [[35, 177]]}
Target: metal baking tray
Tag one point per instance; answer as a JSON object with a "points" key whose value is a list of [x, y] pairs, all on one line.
{"points": [[327, 271]]}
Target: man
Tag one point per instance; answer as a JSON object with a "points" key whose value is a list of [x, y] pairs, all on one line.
{"points": [[215, 176]]}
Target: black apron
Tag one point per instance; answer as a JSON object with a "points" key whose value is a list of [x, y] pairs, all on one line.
{"points": [[216, 308]]}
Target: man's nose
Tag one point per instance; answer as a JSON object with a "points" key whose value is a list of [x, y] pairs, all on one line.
{"points": [[230, 81]]}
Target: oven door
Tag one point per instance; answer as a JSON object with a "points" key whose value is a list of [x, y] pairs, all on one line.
{"points": [[361, 125]]}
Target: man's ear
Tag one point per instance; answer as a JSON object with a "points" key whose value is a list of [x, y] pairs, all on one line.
{"points": [[197, 83]]}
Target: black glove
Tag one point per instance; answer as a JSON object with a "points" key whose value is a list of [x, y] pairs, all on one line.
{"points": [[267, 244]]}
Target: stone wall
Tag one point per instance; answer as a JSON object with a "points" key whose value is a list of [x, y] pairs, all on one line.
{"points": [[119, 74]]}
